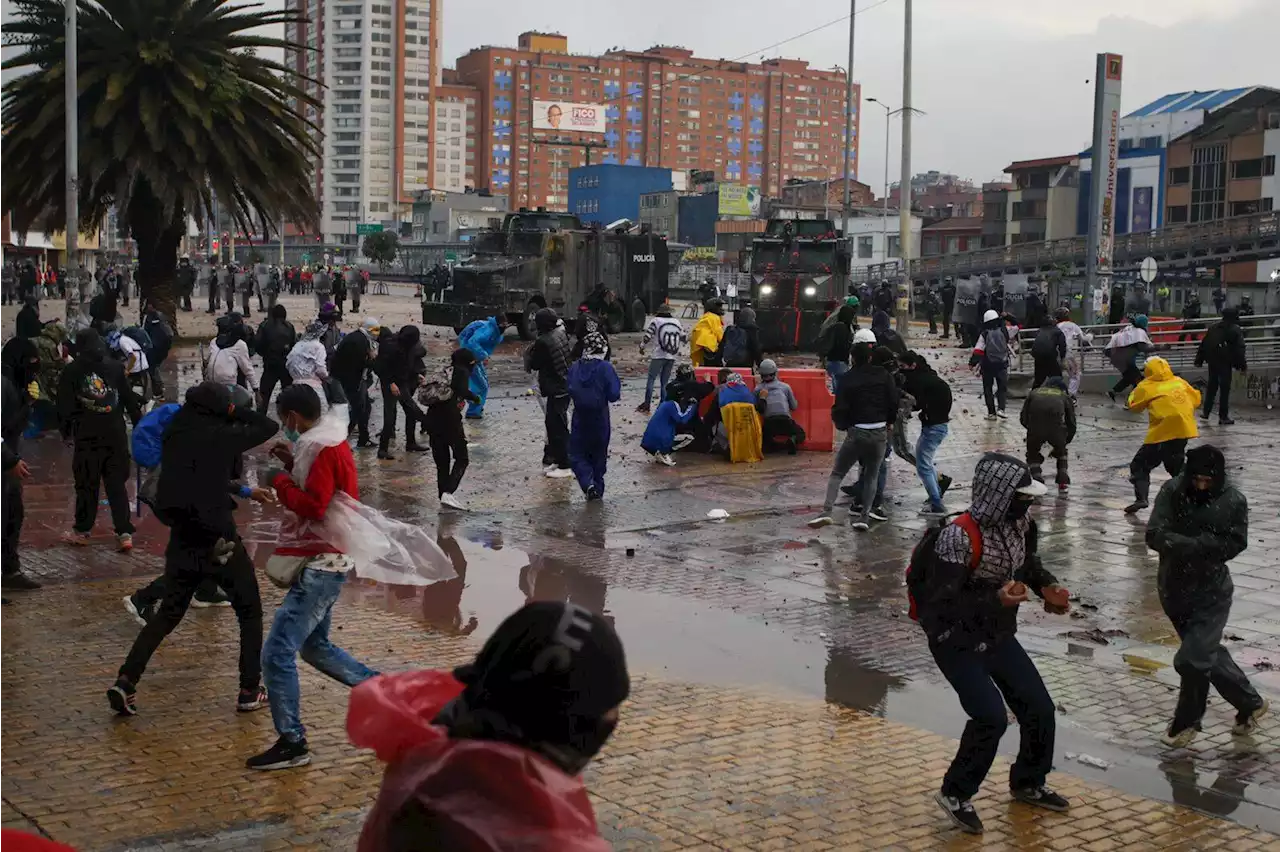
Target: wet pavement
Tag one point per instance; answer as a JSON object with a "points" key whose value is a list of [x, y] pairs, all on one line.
{"points": [[762, 650]]}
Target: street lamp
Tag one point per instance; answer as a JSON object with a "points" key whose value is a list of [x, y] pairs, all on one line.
{"points": [[889, 112]]}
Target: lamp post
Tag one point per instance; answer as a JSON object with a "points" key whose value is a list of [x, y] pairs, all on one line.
{"points": [[848, 121], [904, 186], [889, 112], [72, 108]]}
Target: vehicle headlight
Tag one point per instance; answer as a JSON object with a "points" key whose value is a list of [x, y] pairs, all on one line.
{"points": [[766, 289], [811, 291]]}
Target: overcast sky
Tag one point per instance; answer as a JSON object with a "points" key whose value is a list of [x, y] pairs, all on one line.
{"points": [[1000, 80]]}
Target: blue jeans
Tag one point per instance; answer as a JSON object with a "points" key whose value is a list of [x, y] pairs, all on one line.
{"points": [[301, 626], [660, 370], [930, 439], [836, 369]]}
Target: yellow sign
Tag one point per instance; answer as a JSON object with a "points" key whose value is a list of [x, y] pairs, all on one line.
{"points": [[699, 253], [88, 242]]}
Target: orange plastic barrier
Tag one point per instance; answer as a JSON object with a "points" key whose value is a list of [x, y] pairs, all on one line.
{"points": [[708, 374], [814, 413], [1171, 333]]}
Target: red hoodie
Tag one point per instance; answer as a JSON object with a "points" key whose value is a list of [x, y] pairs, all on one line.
{"points": [[475, 795], [333, 470]]}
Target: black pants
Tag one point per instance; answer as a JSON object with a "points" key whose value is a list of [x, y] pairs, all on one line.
{"points": [[984, 682], [1220, 387], [157, 380], [188, 562], [14, 513], [443, 426], [1057, 441], [101, 466], [245, 296], [355, 302], [778, 432], [946, 321], [213, 297], [412, 415], [1128, 379], [933, 323], [556, 450], [358, 405], [271, 375], [997, 376], [1046, 367], [1171, 454], [154, 591], [186, 301], [1202, 661]]}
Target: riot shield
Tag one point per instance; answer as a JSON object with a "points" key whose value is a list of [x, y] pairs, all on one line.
{"points": [[1015, 297], [965, 309]]}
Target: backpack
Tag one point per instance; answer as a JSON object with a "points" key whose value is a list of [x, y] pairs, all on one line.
{"points": [[438, 388], [925, 554], [1046, 344], [139, 335], [149, 434], [733, 347], [824, 342], [996, 345]]}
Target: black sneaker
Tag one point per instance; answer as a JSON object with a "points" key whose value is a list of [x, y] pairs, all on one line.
{"points": [[121, 698], [1041, 797], [944, 482], [16, 581], [961, 813], [285, 754], [1135, 507], [251, 699], [141, 612], [1226, 421]]}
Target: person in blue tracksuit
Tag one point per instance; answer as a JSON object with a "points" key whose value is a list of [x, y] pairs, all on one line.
{"points": [[660, 434], [593, 384], [481, 337]]}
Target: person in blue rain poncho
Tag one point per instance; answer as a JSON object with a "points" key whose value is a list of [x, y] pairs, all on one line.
{"points": [[481, 338], [593, 384]]}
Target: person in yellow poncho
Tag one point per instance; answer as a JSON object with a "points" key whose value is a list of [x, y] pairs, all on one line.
{"points": [[704, 340], [1171, 406]]}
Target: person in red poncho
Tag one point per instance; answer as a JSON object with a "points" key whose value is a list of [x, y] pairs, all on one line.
{"points": [[488, 758]]}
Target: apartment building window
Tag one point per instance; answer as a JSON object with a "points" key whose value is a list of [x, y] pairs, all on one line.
{"points": [[864, 247], [1208, 182], [1179, 176], [1248, 208], [1259, 167], [1176, 215], [893, 246]]}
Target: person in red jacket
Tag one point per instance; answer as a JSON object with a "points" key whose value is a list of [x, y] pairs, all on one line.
{"points": [[318, 467], [489, 758]]}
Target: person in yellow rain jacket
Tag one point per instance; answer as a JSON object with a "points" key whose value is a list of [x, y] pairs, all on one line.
{"points": [[704, 340], [1171, 406]]}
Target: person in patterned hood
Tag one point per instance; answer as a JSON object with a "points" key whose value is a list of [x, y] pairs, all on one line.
{"points": [[985, 564]]}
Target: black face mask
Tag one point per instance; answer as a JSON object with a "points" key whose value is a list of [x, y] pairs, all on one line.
{"points": [[1017, 509], [1200, 496]]}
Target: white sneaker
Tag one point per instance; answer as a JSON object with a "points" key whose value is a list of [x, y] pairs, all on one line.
{"points": [[452, 502], [823, 520], [681, 441], [991, 417], [559, 473], [860, 526], [666, 459], [1002, 415]]}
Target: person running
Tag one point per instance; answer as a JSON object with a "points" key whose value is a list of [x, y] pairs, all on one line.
{"points": [[708, 332], [1048, 352], [200, 452], [1077, 342], [1124, 348], [835, 341], [548, 356], [866, 404], [932, 396], [776, 403], [93, 397], [1223, 350], [990, 358], [1191, 312], [667, 337], [350, 367], [1199, 523], [275, 339], [442, 424], [481, 338], [1170, 404], [593, 384], [314, 471], [1049, 416], [398, 376], [506, 737], [981, 567]]}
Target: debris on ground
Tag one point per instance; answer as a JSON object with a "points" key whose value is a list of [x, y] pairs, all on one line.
{"points": [[1096, 634], [1264, 665], [1088, 760]]}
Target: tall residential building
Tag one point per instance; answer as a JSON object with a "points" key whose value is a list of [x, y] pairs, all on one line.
{"points": [[756, 124], [376, 67], [457, 114]]}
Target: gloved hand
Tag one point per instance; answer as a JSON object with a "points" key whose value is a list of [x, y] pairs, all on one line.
{"points": [[267, 474]]}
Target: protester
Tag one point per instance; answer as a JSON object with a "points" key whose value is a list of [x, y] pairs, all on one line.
{"points": [[20, 364], [442, 424], [885, 335], [314, 472], [1170, 404], [481, 338], [51, 348], [307, 362], [835, 341], [667, 337], [931, 396], [160, 333], [229, 362], [548, 356], [1077, 341], [1223, 350], [1049, 417], [883, 356], [1191, 311], [740, 346], [350, 367], [93, 396], [399, 378], [275, 339], [686, 388], [593, 384], [776, 403], [330, 335], [506, 737], [1199, 523], [737, 425], [27, 323], [1124, 348], [966, 583], [200, 452], [990, 358], [660, 433], [708, 332], [137, 367], [589, 322], [1048, 352], [866, 403]]}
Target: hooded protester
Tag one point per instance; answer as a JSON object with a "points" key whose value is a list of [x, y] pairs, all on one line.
{"points": [[835, 340], [990, 358], [1048, 351], [687, 389], [931, 396], [707, 334], [442, 425], [1049, 417], [93, 396], [490, 758], [885, 335], [19, 364], [398, 375], [589, 322], [200, 454], [276, 337], [738, 434], [1124, 348], [740, 346], [51, 346], [350, 366], [229, 362], [966, 590], [160, 333], [1223, 350], [667, 337], [1170, 404], [776, 403], [481, 337], [548, 356], [660, 433], [308, 363], [1191, 311], [1077, 341], [833, 314], [27, 324], [331, 336], [1199, 523], [593, 384]]}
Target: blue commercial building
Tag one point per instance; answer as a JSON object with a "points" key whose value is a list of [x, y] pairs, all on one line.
{"points": [[607, 193], [697, 220], [1140, 191]]}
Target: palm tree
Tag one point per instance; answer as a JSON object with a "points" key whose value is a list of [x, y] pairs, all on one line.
{"points": [[176, 105]]}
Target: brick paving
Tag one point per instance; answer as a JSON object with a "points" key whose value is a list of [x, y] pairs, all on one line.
{"points": [[782, 698]]}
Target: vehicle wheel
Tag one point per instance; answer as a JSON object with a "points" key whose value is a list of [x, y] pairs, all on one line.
{"points": [[637, 316], [615, 319]]}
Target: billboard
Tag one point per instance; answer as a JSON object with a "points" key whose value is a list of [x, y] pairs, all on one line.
{"points": [[564, 116], [738, 200]]}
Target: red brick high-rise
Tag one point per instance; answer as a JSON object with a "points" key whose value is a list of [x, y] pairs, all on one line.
{"points": [[755, 124]]}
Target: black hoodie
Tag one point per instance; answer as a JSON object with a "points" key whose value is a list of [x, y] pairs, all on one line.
{"points": [[94, 394], [1223, 345], [548, 356], [930, 391], [275, 338]]}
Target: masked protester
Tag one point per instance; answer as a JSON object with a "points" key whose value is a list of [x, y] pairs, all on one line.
{"points": [[1170, 404], [442, 424], [593, 384], [548, 356], [490, 757], [1223, 350]]}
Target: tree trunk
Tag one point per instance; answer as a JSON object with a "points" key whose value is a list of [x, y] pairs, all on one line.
{"points": [[157, 240]]}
